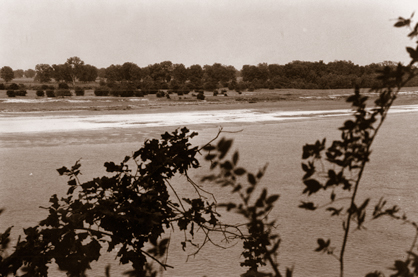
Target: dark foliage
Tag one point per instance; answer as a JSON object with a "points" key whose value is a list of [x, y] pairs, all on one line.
{"points": [[40, 93]]}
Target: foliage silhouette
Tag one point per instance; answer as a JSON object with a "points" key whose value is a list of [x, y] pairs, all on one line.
{"points": [[347, 159]]}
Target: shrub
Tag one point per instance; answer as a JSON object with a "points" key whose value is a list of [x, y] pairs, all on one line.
{"points": [[13, 86], [139, 93], [2, 86], [179, 92], [126, 93], [63, 93], [45, 87], [63, 86], [50, 93], [11, 93], [231, 86], [20, 92], [160, 94], [215, 92], [40, 93], [200, 96], [115, 92], [223, 91], [79, 91], [185, 89], [101, 92]]}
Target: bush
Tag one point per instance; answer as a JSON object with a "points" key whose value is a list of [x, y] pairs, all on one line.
{"points": [[40, 93], [45, 87], [160, 94], [13, 86], [115, 92], [79, 91], [126, 93], [179, 92], [139, 93], [101, 92], [11, 93], [50, 93], [215, 92], [21, 92], [2, 86], [200, 96], [63, 93], [185, 89], [63, 86]]}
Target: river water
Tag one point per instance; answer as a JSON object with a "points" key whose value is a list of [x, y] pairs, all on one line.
{"points": [[32, 147]]}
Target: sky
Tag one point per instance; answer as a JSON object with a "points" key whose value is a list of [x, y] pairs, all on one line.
{"points": [[230, 32]]}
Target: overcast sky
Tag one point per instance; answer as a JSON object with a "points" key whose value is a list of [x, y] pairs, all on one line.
{"points": [[231, 32]]}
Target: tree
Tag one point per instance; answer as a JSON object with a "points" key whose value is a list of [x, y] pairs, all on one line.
{"points": [[30, 73], [61, 72], [88, 73], [6, 73], [347, 158], [114, 73], [75, 68], [180, 73], [44, 73], [18, 73]]}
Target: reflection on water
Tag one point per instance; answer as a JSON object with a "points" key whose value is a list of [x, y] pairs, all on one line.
{"points": [[28, 178]]}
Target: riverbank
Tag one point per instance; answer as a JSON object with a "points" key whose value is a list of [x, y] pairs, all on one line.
{"points": [[279, 99]]}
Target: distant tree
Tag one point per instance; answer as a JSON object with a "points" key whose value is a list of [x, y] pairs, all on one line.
{"points": [[114, 73], [75, 68], [195, 73], [88, 73], [130, 72], [161, 72], [19, 73], [6, 73], [180, 73], [30, 73], [61, 72], [43, 73], [101, 72]]}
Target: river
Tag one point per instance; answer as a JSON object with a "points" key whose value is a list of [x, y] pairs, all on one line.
{"points": [[32, 147]]}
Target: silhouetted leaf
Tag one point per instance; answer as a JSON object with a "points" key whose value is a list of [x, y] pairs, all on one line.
{"points": [[312, 186], [251, 179], [63, 170], [235, 158], [271, 199], [307, 205], [239, 171]]}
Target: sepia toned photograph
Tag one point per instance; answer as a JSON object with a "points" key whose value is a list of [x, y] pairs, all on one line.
{"points": [[203, 138]]}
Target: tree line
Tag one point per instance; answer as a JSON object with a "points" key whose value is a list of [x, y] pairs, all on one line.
{"points": [[166, 75]]}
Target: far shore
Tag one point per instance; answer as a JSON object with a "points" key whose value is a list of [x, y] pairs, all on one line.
{"points": [[274, 100]]}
